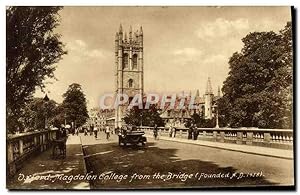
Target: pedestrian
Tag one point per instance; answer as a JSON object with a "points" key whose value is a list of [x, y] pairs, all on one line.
{"points": [[85, 131], [62, 133], [170, 131], [107, 131], [174, 132], [190, 132], [196, 132], [117, 130], [95, 132], [91, 130], [77, 131], [155, 131]]}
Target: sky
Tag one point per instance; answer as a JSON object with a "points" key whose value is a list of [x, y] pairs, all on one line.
{"points": [[183, 46]]}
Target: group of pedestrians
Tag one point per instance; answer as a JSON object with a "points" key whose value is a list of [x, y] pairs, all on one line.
{"points": [[172, 131], [95, 130], [193, 132]]}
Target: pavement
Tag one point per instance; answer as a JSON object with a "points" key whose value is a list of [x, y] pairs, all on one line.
{"points": [[249, 149], [43, 172]]}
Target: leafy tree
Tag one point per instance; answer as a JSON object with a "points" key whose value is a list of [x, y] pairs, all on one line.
{"points": [[74, 105], [38, 112], [32, 49], [145, 117], [59, 118], [200, 121], [258, 90]]}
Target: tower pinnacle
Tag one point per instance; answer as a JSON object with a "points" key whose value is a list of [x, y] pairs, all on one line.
{"points": [[125, 37], [141, 30], [208, 87], [120, 29], [197, 93], [130, 34]]}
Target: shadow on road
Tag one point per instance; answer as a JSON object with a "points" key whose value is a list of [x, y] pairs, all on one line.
{"points": [[43, 165], [111, 158]]}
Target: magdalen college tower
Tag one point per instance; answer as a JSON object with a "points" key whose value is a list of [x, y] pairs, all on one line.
{"points": [[129, 70]]}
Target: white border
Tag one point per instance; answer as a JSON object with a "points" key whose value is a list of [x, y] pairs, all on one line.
{"points": [[4, 3]]}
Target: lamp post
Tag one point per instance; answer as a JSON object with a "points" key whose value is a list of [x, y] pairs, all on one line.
{"points": [[65, 119], [46, 99], [217, 115], [141, 119]]}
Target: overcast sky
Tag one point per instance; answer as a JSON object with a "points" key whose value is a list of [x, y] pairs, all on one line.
{"points": [[183, 46]]}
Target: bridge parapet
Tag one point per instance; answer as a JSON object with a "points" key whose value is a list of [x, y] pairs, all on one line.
{"points": [[275, 138], [25, 145]]}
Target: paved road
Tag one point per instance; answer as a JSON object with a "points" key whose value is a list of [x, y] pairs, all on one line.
{"points": [[183, 164]]}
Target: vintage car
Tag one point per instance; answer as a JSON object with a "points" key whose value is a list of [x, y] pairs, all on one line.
{"points": [[131, 135]]}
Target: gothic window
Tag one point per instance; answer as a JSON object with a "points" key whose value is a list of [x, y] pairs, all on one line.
{"points": [[125, 61], [130, 83], [134, 61]]}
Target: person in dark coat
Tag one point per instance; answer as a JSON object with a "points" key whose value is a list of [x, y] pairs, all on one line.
{"points": [[155, 131], [62, 133], [190, 132], [196, 132], [91, 130]]}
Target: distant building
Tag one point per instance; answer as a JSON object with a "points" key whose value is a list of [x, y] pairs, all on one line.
{"points": [[206, 103], [98, 117]]}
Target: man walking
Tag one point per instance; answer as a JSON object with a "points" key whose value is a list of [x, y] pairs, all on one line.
{"points": [[107, 131], [155, 131], [191, 132], [196, 132], [95, 132]]}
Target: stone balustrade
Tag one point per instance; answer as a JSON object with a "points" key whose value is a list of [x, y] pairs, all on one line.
{"points": [[25, 145], [275, 138]]}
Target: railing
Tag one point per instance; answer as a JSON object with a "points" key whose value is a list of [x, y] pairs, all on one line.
{"points": [[275, 138], [24, 145]]}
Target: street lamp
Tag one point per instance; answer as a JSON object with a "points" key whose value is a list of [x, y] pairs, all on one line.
{"points": [[65, 119], [215, 107], [46, 99], [141, 119]]}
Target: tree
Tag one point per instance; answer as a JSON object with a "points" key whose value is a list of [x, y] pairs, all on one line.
{"points": [[32, 49], [74, 105], [257, 92], [145, 117], [39, 112], [200, 121]]}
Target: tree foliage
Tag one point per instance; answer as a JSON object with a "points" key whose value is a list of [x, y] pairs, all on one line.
{"points": [[145, 117], [38, 112], [32, 49], [258, 90], [200, 121], [75, 105]]}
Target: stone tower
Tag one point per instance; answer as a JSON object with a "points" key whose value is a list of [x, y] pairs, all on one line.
{"points": [[208, 100], [129, 70]]}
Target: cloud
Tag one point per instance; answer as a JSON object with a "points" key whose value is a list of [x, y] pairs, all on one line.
{"points": [[188, 51], [95, 53], [79, 48], [80, 43], [221, 28], [211, 59]]}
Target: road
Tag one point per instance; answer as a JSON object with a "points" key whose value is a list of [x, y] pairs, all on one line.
{"points": [[184, 165]]}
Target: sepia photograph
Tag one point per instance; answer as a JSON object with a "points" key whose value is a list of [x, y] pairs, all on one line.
{"points": [[150, 97]]}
